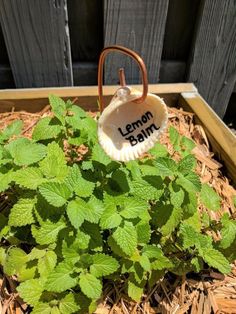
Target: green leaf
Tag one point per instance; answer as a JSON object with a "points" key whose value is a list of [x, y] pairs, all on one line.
{"points": [[42, 308], [176, 195], [174, 137], [58, 107], [165, 166], [45, 129], [143, 232], [82, 187], [90, 286], [99, 155], [61, 278], [158, 260], [133, 207], [110, 218], [190, 182], [145, 263], [187, 144], [209, 197], [134, 291], [76, 211], [48, 231], [30, 177], [47, 263], [5, 180], [189, 236], [26, 153], [103, 265], [54, 164], [13, 128], [188, 163], [68, 304], [228, 232], [31, 290], [149, 189], [215, 259], [55, 193], [71, 246], [14, 261], [172, 222], [22, 212], [159, 150], [126, 238]]}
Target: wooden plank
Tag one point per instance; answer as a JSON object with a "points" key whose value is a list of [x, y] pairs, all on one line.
{"points": [[86, 29], [180, 23], [223, 141], [37, 39], [172, 71], [138, 25], [212, 65], [34, 100]]}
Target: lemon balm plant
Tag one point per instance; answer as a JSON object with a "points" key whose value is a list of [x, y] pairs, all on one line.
{"points": [[69, 222]]}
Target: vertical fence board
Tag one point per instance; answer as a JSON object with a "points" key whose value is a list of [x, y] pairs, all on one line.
{"points": [[37, 39], [213, 62], [138, 25]]}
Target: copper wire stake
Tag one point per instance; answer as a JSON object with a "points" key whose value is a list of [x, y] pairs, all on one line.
{"points": [[133, 55]]}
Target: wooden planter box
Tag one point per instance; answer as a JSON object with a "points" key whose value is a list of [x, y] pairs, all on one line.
{"points": [[222, 140]]}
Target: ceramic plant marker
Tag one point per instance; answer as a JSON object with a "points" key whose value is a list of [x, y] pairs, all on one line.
{"points": [[133, 121]]}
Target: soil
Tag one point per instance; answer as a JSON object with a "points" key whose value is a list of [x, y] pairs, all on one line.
{"points": [[207, 292]]}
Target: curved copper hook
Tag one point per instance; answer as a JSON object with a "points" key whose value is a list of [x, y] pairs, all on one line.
{"points": [[130, 53]]}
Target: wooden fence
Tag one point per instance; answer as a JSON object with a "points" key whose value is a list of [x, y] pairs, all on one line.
{"points": [[57, 43]]}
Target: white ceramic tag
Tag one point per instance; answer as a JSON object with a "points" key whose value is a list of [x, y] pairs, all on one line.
{"points": [[127, 129]]}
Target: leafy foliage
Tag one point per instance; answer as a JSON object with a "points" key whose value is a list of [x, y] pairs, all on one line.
{"points": [[82, 221]]}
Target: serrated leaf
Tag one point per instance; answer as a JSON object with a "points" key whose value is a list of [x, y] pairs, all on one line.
{"points": [[68, 304], [134, 291], [159, 150], [58, 107], [189, 236], [103, 265], [31, 290], [126, 238], [190, 182], [228, 232], [145, 263], [25, 153], [188, 163], [99, 155], [209, 197], [165, 166], [47, 263], [54, 164], [14, 261], [110, 219], [30, 177], [90, 286], [76, 211], [42, 308], [158, 260], [94, 210], [55, 193], [36, 254], [133, 207], [77, 183], [176, 195], [149, 189], [172, 221], [61, 278], [5, 180], [143, 232], [13, 128], [48, 231], [174, 137], [71, 247], [46, 129], [22, 212], [215, 259], [187, 144]]}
